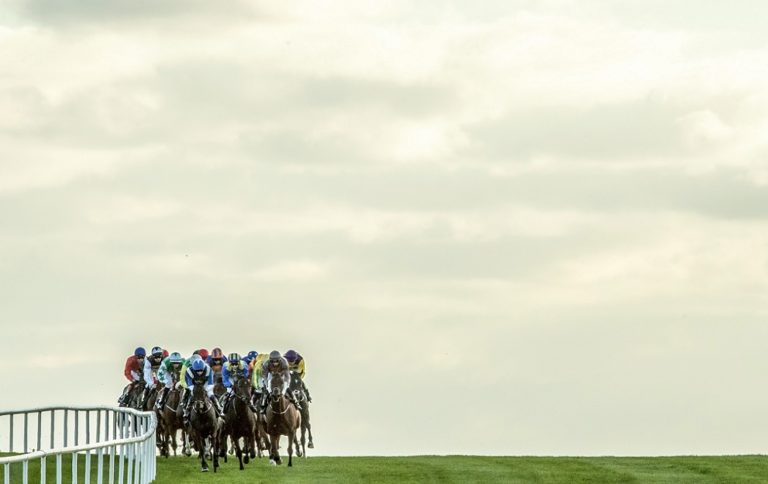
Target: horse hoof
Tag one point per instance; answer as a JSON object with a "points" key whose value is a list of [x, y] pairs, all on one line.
{"points": [[272, 463], [311, 445], [246, 459], [205, 469]]}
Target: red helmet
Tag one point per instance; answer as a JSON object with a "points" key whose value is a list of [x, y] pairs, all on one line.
{"points": [[216, 353], [203, 353], [165, 354]]}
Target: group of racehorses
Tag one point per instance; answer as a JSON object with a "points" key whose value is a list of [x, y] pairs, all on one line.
{"points": [[239, 429]]}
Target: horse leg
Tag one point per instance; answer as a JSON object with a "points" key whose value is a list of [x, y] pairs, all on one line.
{"points": [[251, 446], [187, 450], [222, 445], [201, 454], [291, 438], [303, 441], [305, 423], [238, 451], [274, 442], [296, 443], [216, 442], [173, 442]]}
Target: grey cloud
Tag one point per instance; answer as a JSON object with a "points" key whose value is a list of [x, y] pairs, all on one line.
{"points": [[618, 132], [96, 13]]}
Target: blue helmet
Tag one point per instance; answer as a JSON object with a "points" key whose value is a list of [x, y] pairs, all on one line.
{"points": [[140, 351], [176, 357], [252, 354], [291, 356], [198, 365]]}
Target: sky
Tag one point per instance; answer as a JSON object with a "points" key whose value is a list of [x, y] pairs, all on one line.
{"points": [[506, 227]]}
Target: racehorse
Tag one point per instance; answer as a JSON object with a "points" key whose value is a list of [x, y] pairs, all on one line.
{"points": [[204, 426], [135, 392], [218, 384], [170, 422], [296, 389], [282, 419], [239, 422]]}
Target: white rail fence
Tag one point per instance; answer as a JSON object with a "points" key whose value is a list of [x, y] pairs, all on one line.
{"points": [[88, 444]]}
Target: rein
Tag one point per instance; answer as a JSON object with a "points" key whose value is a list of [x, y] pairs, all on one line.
{"points": [[285, 409]]}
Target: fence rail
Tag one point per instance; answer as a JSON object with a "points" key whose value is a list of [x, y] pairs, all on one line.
{"points": [[123, 437]]}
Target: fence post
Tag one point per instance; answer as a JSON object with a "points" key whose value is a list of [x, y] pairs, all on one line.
{"points": [[66, 427], [39, 430], [53, 428], [43, 471], [26, 430], [88, 467]]}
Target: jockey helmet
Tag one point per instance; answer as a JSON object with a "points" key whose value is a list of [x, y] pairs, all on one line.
{"points": [[203, 353], [176, 357], [165, 353], [216, 353], [196, 352], [198, 366], [157, 351], [234, 358], [291, 355], [274, 355], [194, 358], [140, 352], [252, 355]]}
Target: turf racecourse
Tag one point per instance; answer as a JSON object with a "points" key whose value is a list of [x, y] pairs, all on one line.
{"points": [[467, 469], [458, 469]]}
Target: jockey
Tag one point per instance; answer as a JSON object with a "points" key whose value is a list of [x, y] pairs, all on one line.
{"points": [[216, 360], [296, 364], [255, 368], [151, 367], [169, 373], [233, 369], [134, 371], [276, 365], [248, 359], [199, 373]]}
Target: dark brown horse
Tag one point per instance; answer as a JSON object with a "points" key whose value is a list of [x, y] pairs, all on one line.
{"points": [[134, 392], [298, 393], [170, 422], [282, 419], [204, 427], [239, 423]]}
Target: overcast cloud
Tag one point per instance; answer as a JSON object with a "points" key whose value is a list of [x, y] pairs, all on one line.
{"points": [[510, 227]]}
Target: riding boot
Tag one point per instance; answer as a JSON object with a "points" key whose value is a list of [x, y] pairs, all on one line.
{"points": [[263, 402], [145, 396], [187, 399], [225, 407], [160, 400], [216, 405], [254, 403], [294, 401], [306, 392]]}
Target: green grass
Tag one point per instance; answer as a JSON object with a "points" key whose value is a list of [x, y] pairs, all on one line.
{"points": [[467, 469], [458, 469]]}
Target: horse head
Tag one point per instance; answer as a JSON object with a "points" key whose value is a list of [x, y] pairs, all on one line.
{"points": [[243, 388], [200, 399]]}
